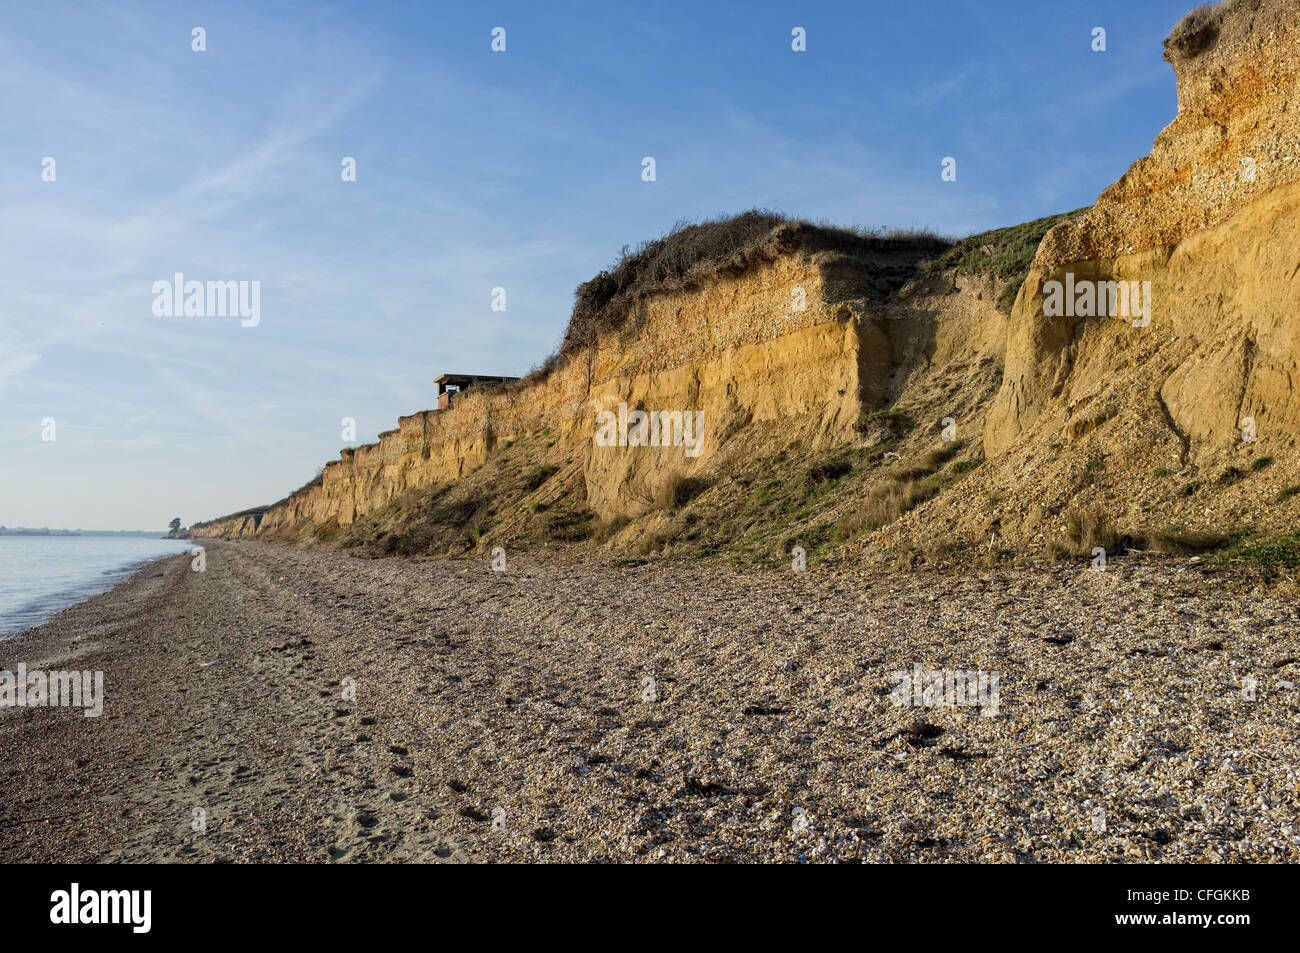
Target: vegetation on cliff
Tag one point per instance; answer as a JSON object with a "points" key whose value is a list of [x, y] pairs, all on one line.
{"points": [[1002, 253], [693, 254], [1198, 30], [914, 421]]}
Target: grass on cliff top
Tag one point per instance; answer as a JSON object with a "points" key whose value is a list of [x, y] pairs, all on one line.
{"points": [[1197, 31], [1004, 253], [693, 253]]}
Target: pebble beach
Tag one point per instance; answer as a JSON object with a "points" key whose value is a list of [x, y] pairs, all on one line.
{"points": [[291, 705]]}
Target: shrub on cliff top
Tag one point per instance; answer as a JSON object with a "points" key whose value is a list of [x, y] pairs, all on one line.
{"points": [[693, 253], [1196, 32], [659, 261]]}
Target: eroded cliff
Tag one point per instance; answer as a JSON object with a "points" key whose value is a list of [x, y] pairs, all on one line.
{"points": [[870, 398], [790, 336]]}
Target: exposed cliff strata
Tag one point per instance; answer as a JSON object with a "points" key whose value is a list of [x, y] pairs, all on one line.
{"points": [[851, 388], [1209, 218], [1236, 136], [1147, 420], [794, 337]]}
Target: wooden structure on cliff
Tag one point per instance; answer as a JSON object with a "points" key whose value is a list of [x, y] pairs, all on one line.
{"points": [[449, 385]]}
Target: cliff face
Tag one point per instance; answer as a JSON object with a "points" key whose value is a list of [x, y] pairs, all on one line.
{"points": [[855, 403], [796, 339], [1208, 218], [737, 354]]}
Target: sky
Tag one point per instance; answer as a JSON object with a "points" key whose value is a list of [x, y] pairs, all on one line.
{"points": [[475, 169]]}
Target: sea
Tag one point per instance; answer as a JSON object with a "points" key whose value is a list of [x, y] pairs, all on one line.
{"points": [[39, 575]]}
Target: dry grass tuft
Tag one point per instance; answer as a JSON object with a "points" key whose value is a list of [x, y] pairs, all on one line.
{"points": [[1174, 539], [1199, 30], [678, 490], [885, 503], [1088, 527]]}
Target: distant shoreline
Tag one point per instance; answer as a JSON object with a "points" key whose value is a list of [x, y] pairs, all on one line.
{"points": [[133, 533]]}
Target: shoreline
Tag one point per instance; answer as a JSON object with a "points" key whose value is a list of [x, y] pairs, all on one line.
{"points": [[43, 608], [508, 717]]}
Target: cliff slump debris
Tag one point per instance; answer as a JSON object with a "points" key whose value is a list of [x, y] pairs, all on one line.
{"points": [[774, 323]]}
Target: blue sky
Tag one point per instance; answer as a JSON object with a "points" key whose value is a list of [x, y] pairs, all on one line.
{"points": [[475, 170]]}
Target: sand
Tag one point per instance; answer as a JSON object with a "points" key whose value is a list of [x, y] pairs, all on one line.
{"points": [[1147, 713]]}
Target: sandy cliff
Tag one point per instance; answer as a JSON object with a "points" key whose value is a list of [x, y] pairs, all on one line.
{"points": [[868, 398], [1209, 219], [794, 337]]}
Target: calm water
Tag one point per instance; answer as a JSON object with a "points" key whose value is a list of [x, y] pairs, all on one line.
{"points": [[39, 575]]}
